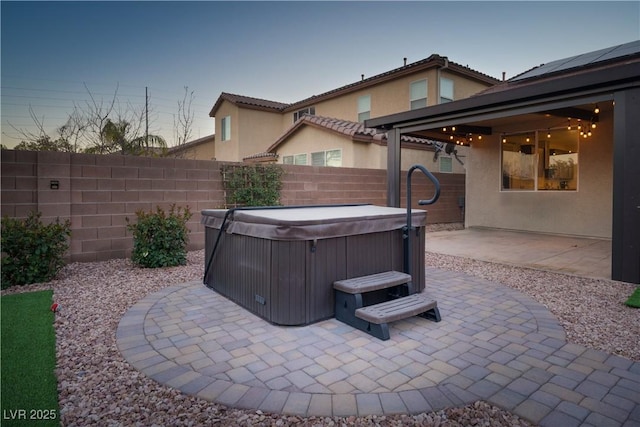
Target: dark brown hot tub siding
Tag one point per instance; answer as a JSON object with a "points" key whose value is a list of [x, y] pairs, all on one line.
{"points": [[295, 282]]}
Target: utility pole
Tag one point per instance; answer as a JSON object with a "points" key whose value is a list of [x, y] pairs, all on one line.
{"points": [[146, 113]]}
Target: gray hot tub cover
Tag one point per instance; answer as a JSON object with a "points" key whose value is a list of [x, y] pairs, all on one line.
{"points": [[309, 223]]}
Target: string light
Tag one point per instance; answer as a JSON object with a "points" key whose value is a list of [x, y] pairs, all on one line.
{"points": [[596, 110]]}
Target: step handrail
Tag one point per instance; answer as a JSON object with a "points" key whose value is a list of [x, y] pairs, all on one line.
{"points": [[407, 232]]}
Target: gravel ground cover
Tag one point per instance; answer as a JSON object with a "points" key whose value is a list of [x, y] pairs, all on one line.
{"points": [[98, 387]]}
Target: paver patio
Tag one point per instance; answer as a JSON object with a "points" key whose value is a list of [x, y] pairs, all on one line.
{"points": [[493, 343]]}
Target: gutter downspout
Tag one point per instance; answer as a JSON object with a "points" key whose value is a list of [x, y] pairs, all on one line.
{"points": [[438, 86]]}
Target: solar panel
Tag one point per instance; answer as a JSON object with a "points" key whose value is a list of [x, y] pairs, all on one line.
{"points": [[582, 60]]}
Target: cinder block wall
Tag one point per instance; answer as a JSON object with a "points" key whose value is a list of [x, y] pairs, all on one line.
{"points": [[98, 192], [306, 185]]}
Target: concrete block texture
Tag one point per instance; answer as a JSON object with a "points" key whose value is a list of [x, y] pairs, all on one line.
{"points": [[98, 192]]}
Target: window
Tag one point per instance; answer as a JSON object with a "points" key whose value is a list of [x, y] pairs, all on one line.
{"points": [[226, 128], [446, 164], [540, 161], [418, 94], [558, 162], [298, 114], [364, 108], [446, 90], [298, 159], [327, 158]]}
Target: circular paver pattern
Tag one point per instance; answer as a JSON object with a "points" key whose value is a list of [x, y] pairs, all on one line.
{"points": [[493, 343]]}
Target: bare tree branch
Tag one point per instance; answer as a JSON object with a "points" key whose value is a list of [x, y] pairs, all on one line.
{"points": [[183, 121], [96, 118], [30, 136]]}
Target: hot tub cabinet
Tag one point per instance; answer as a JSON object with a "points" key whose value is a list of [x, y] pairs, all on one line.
{"points": [[281, 263]]}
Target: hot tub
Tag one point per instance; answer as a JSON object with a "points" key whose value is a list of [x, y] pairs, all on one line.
{"points": [[280, 263]]}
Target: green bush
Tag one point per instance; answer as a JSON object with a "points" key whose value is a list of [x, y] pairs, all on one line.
{"points": [[255, 185], [160, 240], [33, 252]]}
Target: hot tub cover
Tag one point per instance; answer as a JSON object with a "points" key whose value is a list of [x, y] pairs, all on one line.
{"points": [[309, 223]]}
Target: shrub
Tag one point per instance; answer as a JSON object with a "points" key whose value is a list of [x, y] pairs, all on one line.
{"points": [[33, 252], [255, 185], [160, 240]]}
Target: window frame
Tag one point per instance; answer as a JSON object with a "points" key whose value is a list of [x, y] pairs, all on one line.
{"points": [[364, 108], [446, 158], [310, 111], [293, 159], [296, 158], [426, 93], [442, 98], [325, 154], [225, 128], [539, 160]]}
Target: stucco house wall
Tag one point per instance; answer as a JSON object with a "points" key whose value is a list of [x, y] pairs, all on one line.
{"points": [[257, 123], [355, 154], [230, 149], [388, 97], [200, 149], [258, 129]]}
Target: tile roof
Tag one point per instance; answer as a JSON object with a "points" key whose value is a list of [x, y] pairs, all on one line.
{"points": [[355, 131], [248, 102], [193, 143], [434, 60], [265, 156]]}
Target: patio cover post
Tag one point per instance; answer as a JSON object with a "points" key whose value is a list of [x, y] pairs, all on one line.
{"points": [[625, 244], [393, 167]]}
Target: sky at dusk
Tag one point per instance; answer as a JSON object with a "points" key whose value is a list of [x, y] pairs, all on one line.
{"points": [[281, 51]]}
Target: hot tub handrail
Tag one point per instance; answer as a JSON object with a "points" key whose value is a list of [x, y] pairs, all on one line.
{"points": [[432, 200], [252, 208]]}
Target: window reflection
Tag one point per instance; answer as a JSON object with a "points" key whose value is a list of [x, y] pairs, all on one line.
{"points": [[518, 162], [558, 160], [542, 160]]}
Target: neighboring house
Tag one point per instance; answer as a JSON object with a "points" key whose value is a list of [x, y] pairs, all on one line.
{"points": [[560, 151], [251, 129], [324, 141], [199, 149]]}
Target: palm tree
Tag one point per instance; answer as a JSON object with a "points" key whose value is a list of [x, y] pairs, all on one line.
{"points": [[148, 145], [115, 140]]}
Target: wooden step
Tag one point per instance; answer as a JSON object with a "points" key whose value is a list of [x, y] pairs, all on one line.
{"points": [[397, 309], [373, 282]]}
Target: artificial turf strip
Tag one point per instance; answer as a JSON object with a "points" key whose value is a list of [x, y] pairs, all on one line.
{"points": [[28, 357], [634, 299]]}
